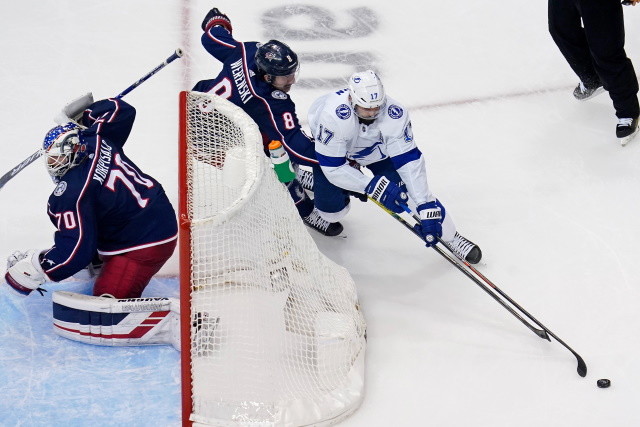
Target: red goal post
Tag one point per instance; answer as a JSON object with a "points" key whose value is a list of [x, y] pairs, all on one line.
{"points": [[272, 332]]}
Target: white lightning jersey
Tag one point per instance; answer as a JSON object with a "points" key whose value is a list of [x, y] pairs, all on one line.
{"points": [[339, 137]]}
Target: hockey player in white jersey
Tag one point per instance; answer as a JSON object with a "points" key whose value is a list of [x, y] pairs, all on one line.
{"points": [[362, 126]]}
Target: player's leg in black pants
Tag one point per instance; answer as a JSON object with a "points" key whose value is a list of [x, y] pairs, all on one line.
{"points": [[566, 30], [604, 30]]}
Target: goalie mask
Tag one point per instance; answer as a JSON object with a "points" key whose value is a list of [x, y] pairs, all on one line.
{"points": [[366, 91], [62, 149]]}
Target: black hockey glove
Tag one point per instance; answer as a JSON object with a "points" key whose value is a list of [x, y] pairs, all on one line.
{"points": [[215, 17]]}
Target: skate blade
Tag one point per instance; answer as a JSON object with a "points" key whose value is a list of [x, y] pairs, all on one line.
{"points": [[624, 141]]}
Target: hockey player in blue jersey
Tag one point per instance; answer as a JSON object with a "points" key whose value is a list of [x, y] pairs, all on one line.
{"points": [[103, 204], [257, 78], [360, 126]]}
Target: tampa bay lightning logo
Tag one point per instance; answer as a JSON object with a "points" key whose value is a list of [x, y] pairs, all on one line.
{"points": [[395, 112], [343, 111], [60, 188], [278, 94]]}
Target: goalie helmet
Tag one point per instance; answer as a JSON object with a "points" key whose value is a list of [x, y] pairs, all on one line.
{"points": [[62, 149], [366, 91], [276, 58]]}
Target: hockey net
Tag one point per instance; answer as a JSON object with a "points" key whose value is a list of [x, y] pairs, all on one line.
{"points": [[272, 333]]}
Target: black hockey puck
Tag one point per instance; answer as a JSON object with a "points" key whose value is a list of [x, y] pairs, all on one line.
{"points": [[603, 383]]}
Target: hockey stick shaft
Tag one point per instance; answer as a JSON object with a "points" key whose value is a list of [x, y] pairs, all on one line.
{"points": [[177, 54], [13, 172], [538, 332], [582, 367], [542, 333], [32, 158]]}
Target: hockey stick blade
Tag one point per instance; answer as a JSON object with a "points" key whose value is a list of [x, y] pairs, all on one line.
{"points": [[542, 333], [539, 332], [582, 366], [13, 172]]}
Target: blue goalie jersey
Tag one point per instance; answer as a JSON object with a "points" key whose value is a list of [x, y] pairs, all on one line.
{"points": [[106, 203]]}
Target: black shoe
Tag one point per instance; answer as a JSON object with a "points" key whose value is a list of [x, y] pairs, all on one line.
{"points": [[582, 92], [315, 221]]}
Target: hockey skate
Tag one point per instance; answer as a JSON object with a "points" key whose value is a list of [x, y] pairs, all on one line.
{"points": [[315, 221], [305, 177], [626, 130], [465, 249], [582, 93]]}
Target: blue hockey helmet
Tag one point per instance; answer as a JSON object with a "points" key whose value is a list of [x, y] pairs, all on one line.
{"points": [[276, 58], [62, 149]]}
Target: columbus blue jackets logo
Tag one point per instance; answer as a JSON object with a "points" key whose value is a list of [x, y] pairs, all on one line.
{"points": [[278, 94], [343, 111], [395, 112], [62, 185]]}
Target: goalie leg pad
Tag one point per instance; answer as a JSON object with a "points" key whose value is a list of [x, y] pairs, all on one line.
{"points": [[117, 322]]}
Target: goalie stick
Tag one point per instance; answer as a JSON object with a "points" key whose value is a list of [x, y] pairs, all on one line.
{"points": [[544, 332], [13, 172], [32, 158]]}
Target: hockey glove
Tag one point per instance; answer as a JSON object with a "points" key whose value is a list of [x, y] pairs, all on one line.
{"points": [[388, 193], [24, 273], [431, 216], [215, 17]]}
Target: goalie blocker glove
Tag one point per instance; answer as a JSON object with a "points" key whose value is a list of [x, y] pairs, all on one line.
{"points": [[388, 193], [24, 273], [215, 17], [431, 216]]}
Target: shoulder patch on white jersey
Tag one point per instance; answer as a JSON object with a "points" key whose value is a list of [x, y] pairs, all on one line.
{"points": [[278, 94], [60, 188], [395, 112], [343, 111], [408, 133]]}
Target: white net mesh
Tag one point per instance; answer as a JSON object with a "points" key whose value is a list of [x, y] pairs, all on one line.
{"points": [[277, 337]]}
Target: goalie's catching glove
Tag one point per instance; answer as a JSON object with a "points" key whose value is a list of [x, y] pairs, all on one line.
{"points": [[24, 273], [215, 17], [388, 193], [431, 216]]}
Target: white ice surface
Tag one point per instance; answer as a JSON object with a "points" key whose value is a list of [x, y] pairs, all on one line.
{"points": [[533, 176]]}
